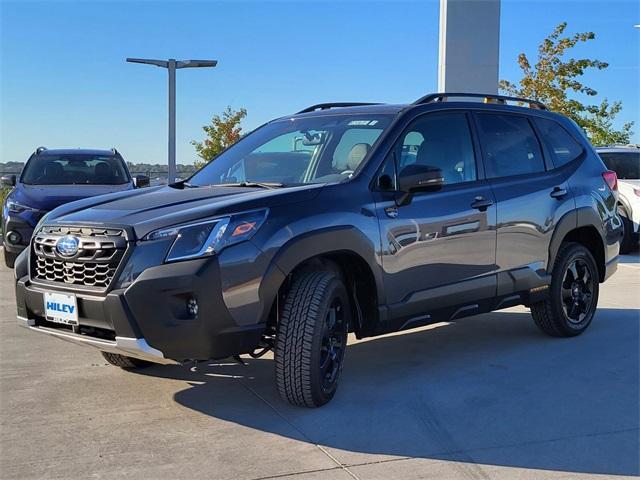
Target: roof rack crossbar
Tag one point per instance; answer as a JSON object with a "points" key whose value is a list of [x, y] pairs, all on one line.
{"points": [[441, 97], [327, 106]]}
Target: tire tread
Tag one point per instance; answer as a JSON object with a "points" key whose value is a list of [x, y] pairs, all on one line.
{"points": [[295, 336], [123, 361]]}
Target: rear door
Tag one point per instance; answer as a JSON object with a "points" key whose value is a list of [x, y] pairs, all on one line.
{"points": [[531, 195], [439, 250]]}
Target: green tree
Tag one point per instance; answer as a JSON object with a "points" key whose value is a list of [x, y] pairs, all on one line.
{"points": [[223, 131], [554, 78]]}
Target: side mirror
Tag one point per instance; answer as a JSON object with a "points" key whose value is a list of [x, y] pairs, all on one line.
{"points": [[418, 178], [141, 181], [8, 180]]}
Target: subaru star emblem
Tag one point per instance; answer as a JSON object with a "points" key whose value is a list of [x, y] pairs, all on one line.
{"points": [[67, 246]]}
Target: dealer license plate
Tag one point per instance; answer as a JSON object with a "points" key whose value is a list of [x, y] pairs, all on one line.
{"points": [[61, 308]]}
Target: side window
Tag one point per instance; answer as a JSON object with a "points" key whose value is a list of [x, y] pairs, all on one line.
{"points": [[562, 147], [441, 140], [510, 146]]}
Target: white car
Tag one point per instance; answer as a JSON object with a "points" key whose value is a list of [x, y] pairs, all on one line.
{"points": [[625, 161]]}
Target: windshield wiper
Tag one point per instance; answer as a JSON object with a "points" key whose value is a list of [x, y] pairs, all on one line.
{"points": [[268, 185]]}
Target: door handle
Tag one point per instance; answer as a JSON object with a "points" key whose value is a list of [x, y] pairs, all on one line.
{"points": [[481, 203], [558, 192]]}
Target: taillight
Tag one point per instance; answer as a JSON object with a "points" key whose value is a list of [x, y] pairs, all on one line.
{"points": [[637, 192], [612, 179]]}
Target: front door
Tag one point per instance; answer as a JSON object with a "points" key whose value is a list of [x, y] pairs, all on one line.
{"points": [[439, 250]]}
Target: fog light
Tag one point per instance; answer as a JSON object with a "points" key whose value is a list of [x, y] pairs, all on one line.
{"points": [[13, 237], [192, 307]]}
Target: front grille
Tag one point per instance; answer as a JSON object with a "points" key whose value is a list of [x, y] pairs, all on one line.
{"points": [[100, 251]]}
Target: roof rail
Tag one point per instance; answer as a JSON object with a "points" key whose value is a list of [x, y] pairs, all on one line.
{"points": [[488, 98], [327, 106], [39, 150], [621, 145], [114, 151]]}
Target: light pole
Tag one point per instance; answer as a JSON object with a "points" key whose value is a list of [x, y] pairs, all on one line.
{"points": [[171, 65]]}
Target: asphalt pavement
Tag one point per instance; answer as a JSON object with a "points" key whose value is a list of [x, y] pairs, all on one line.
{"points": [[487, 397]]}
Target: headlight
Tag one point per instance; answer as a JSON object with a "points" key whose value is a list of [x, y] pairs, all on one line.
{"points": [[207, 237], [15, 207]]}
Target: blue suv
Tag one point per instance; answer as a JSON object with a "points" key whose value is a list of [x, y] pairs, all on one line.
{"points": [[51, 178]]}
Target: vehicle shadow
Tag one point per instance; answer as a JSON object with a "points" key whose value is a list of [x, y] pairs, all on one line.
{"points": [[491, 390]]}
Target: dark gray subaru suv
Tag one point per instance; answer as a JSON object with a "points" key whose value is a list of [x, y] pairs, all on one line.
{"points": [[361, 218]]}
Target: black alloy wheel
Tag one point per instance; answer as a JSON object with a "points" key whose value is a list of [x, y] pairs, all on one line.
{"points": [[577, 291], [333, 344]]}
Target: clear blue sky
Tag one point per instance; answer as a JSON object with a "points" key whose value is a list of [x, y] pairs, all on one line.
{"points": [[64, 81]]}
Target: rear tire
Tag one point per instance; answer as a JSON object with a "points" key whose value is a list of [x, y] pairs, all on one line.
{"points": [[573, 293], [311, 339], [627, 243], [127, 363], [10, 258]]}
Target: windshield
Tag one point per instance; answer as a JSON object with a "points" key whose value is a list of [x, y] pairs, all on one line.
{"points": [[626, 165], [75, 169], [326, 148]]}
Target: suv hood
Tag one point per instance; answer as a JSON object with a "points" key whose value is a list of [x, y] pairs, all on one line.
{"points": [[48, 197], [147, 209]]}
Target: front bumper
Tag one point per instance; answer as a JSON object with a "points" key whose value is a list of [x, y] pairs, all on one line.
{"points": [[149, 318], [131, 347]]}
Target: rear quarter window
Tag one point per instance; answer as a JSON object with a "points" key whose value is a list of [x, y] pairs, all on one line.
{"points": [[509, 144], [562, 147]]}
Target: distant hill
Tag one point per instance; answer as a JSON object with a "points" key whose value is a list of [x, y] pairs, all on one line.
{"points": [[11, 167]]}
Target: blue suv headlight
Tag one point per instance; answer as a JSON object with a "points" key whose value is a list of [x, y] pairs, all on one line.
{"points": [[208, 237], [15, 207]]}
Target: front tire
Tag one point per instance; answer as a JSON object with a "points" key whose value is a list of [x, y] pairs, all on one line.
{"points": [[122, 361], [573, 294], [311, 339]]}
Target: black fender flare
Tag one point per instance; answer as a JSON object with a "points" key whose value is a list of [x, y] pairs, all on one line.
{"points": [[582, 217], [299, 249]]}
